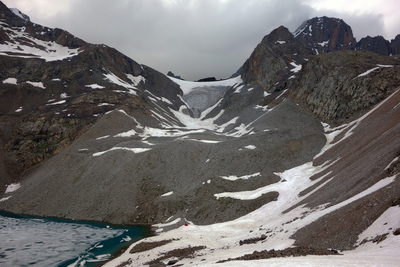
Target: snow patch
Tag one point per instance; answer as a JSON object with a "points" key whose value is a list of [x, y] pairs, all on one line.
{"points": [[64, 95], [105, 104], [134, 150], [297, 67], [188, 86], [12, 187], [371, 70], [111, 77], [17, 12], [5, 198], [167, 194], [161, 225], [95, 86], [367, 72], [57, 103], [244, 177], [324, 43], [10, 81], [49, 51], [102, 137], [136, 79], [36, 84]]}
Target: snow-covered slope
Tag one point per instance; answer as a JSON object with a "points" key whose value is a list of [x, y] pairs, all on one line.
{"points": [[18, 12], [273, 226], [22, 44]]}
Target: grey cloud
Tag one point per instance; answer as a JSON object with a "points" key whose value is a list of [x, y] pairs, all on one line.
{"points": [[192, 38]]}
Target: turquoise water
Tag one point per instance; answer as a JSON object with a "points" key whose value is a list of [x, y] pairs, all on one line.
{"points": [[27, 241]]}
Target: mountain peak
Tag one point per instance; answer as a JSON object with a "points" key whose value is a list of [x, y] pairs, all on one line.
{"points": [[279, 34], [17, 12], [325, 34]]}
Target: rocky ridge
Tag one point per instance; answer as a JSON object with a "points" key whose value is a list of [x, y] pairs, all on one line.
{"points": [[48, 103]]}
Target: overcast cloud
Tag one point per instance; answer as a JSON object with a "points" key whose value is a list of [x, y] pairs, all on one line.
{"points": [[200, 38]]}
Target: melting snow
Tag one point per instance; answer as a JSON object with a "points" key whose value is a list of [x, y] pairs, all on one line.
{"points": [[222, 239], [371, 70], [49, 51], [134, 150], [160, 225], [105, 104], [297, 67], [244, 177], [17, 12], [135, 79], [111, 77], [10, 81], [64, 95], [57, 103], [205, 141], [367, 72], [95, 86], [5, 198], [12, 187], [188, 86], [37, 84], [102, 137], [167, 194], [324, 43]]}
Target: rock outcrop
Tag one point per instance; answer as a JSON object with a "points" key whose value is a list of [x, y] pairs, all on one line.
{"points": [[395, 45], [281, 54], [340, 86], [376, 44], [274, 60], [323, 34]]}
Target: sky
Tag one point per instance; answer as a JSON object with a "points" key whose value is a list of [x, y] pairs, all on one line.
{"points": [[200, 38]]}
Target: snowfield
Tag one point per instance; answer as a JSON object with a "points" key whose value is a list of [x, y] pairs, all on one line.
{"points": [[276, 222], [49, 51], [188, 86]]}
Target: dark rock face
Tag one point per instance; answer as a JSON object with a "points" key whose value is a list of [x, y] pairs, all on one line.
{"points": [[20, 14], [325, 34], [360, 162], [376, 44], [208, 79], [339, 86], [11, 17], [270, 63], [50, 103], [281, 54], [395, 45]]}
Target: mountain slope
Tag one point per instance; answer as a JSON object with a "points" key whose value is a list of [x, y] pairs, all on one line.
{"points": [[310, 215], [54, 86], [220, 169]]}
